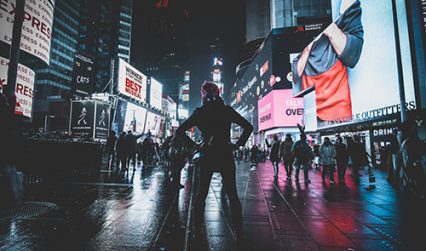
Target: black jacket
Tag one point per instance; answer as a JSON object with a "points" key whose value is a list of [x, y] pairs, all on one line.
{"points": [[214, 120]]}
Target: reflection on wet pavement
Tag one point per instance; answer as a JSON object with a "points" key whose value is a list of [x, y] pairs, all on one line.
{"points": [[142, 211]]}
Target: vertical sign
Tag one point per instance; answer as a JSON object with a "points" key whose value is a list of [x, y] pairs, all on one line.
{"points": [[82, 118], [101, 120], [83, 76], [36, 29], [24, 87]]}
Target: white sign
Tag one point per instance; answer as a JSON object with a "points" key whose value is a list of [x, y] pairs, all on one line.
{"points": [[169, 106], [36, 29], [24, 87], [131, 82], [156, 92]]}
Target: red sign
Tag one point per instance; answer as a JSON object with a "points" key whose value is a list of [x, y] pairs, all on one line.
{"points": [[133, 89]]}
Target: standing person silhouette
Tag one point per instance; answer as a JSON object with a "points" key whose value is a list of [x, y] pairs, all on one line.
{"points": [[214, 120]]}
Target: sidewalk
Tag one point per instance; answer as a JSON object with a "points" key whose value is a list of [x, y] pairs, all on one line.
{"points": [[106, 211]]}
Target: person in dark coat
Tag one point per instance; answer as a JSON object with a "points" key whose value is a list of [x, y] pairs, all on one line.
{"points": [[341, 159], [214, 120], [285, 155], [120, 150], [131, 146], [254, 154], [274, 155], [358, 156], [110, 148]]}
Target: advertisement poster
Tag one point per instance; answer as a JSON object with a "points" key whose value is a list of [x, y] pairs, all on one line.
{"points": [[349, 74], [184, 93], [270, 68], [131, 82], [36, 29], [280, 109], [83, 82], [135, 118], [82, 118], [24, 87], [153, 123], [102, 120], [119, 116], [156, 93], [169, 106]]}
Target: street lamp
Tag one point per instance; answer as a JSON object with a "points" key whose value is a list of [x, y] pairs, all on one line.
{"points": [[45, 121]]}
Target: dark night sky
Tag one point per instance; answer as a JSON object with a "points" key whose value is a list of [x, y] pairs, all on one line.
{"points": [[196, 24]]}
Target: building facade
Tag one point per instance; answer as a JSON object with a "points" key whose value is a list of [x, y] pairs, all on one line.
{"points": [[287, 13], [105, 35], [53, 82]]}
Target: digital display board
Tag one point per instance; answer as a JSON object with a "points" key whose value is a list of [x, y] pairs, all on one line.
{"points": [[348, 75]]}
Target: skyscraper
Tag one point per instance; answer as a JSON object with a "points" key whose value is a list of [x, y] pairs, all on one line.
{"points": [[105, 34], [258, 20], [160, 35], [53, 81]]}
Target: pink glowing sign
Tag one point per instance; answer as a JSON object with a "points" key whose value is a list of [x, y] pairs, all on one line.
{"points": [[280, 109]]}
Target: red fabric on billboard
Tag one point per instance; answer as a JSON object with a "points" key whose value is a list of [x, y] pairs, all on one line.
{"points": [[333, 96]]}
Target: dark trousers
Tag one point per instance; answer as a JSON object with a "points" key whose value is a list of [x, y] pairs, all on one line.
{"points": [[305, 166], [288, 165], [328, 169], [275, 164], [111, 158], [341, 169], [227, 172], [177, 164]]}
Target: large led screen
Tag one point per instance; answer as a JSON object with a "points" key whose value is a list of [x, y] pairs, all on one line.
{"points": [[270, 68], [156, 93], [353, 66], [135, 118], [279, 109], [153, 123], [129, 117]]}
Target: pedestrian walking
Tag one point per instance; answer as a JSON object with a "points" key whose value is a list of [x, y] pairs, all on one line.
{"points": [[327, 154], [131, 146], [110, 148], [285, 155], [358, 156], [274, 154], [303, 155], [214, 120], [341, 159], [254, 155], [120, 151]]}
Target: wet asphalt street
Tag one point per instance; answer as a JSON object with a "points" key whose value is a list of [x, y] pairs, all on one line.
{"points": [[142, 211]]}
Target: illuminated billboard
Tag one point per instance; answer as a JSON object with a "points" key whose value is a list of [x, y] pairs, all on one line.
{"points": [[184, 93], [153, 124], [135, 118], [279, 109], [270, 68], [36, 27], [131, 82], [349, 73], [156, 93], [83, 82], [24, 87], [129, 117]]}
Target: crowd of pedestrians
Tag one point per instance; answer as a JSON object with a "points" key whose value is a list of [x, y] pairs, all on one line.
{"points": [[332, 157], [129, 148]]}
